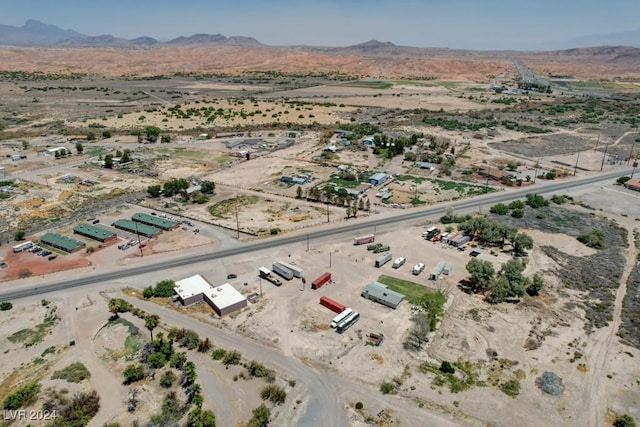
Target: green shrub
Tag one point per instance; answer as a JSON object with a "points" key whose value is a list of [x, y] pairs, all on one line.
{"points": [[274, 394], [359, 405], [516, 204], [623, 179], [447, 368], [232, 358], [517, 213], [218, 353], [387, 388], [593, 239], [499, 209], [5, 305], [24, 396], [73, 373], [624, 421], [511, 388], [133, 373], [167, 379]]}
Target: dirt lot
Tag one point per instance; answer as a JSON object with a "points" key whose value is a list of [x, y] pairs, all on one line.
{"points": [[470, 330]]}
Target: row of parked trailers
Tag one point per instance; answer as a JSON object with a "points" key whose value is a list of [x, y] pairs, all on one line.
{"points": [[346, 317]]}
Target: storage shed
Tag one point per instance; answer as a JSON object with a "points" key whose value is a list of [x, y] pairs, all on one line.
{"points": [[154, 221], [224, 299], [97, 233], [377, 178], [379, 293], [59, 241]]}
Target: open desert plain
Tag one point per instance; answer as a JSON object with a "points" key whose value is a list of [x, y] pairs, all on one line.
{"points": [[209, 234]]}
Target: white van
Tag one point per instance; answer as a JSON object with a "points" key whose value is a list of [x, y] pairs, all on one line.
{"points": [[417, 269], [399, 262]]}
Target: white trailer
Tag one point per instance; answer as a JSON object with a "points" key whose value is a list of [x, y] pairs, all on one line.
{"points": [[264, 272], [282, 270], [383, 259], [22, 246], [297, 271]]}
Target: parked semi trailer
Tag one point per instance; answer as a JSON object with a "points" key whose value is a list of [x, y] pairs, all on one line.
{"points": [[282, 270], [340, 317], [348, 322], [297, 271], [23, 246], [324, 278], [363, 240], [266, 274], [332, 304]]}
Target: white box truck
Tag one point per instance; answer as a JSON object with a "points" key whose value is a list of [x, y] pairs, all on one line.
{"points": [[383, 259]]}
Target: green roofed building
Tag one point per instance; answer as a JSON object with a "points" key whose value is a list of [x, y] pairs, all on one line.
{"points": [[97, 233], [154, 221], [134, 227], [64, 243]]}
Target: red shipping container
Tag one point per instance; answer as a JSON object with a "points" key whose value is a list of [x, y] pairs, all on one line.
{"points": [[332, 305], [324, 278]]}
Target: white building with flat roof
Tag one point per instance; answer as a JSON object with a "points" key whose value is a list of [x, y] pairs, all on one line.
{"points": [[224, 299]]}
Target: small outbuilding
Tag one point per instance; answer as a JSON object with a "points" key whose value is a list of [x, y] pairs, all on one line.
{"points": [[224, 299], [64, 243], [377, 178], [379, 293], [97, 233]]}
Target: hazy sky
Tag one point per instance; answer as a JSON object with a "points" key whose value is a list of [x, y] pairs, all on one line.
{"points": [[472, 24]]}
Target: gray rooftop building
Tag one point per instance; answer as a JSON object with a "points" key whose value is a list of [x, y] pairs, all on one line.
{"points": [[378, 292]]}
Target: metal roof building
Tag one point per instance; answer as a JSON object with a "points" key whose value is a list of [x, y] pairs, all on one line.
{"points": [[378, 292], [59, 241], [224, 299], [154, 221], [97, 233], [377, 178], [134, 227]]}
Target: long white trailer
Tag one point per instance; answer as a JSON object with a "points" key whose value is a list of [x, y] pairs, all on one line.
{"points": [[340, 317], [23, 246], [282, 270], [297, 271]]}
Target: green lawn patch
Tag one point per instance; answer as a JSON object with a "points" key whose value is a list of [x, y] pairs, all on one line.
{"points": [[416, 179], [73, 373], [415, 293], [343, 182], [368, 84]]}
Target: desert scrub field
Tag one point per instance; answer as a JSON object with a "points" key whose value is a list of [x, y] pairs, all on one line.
{"points": [[630, 318], [598, 275]]}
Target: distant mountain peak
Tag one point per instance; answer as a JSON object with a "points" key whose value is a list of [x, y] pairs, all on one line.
{"points": [[373, 43]]}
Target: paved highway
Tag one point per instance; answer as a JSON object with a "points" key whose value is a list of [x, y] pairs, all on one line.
{"points": [[412, 214]]}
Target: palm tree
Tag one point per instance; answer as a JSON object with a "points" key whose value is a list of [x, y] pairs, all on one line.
{"points": [[151, 322], [114, 306]]}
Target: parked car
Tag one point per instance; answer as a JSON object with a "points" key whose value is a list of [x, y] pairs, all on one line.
{"points": [[232, 276], [95, 221], [44, 253], [52, 257]]}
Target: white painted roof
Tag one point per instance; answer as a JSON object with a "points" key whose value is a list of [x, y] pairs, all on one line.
{"points": [[194, 285], [224, 295]]}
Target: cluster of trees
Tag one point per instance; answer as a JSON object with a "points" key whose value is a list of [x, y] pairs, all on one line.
{"points": [[508, 283], [493, 233], [163, 288], [394, 146], [124, 156], [179, 186], [336, 196]]}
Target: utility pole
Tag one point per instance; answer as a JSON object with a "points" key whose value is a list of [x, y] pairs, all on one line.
{"points": [[328, 220], [307, 243], [237, 222], [575, 168], [139, 241], [260, 286], [635, 165], [486, 186], [330, 259], [604, 156], [633, 146], [535, 175]]}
